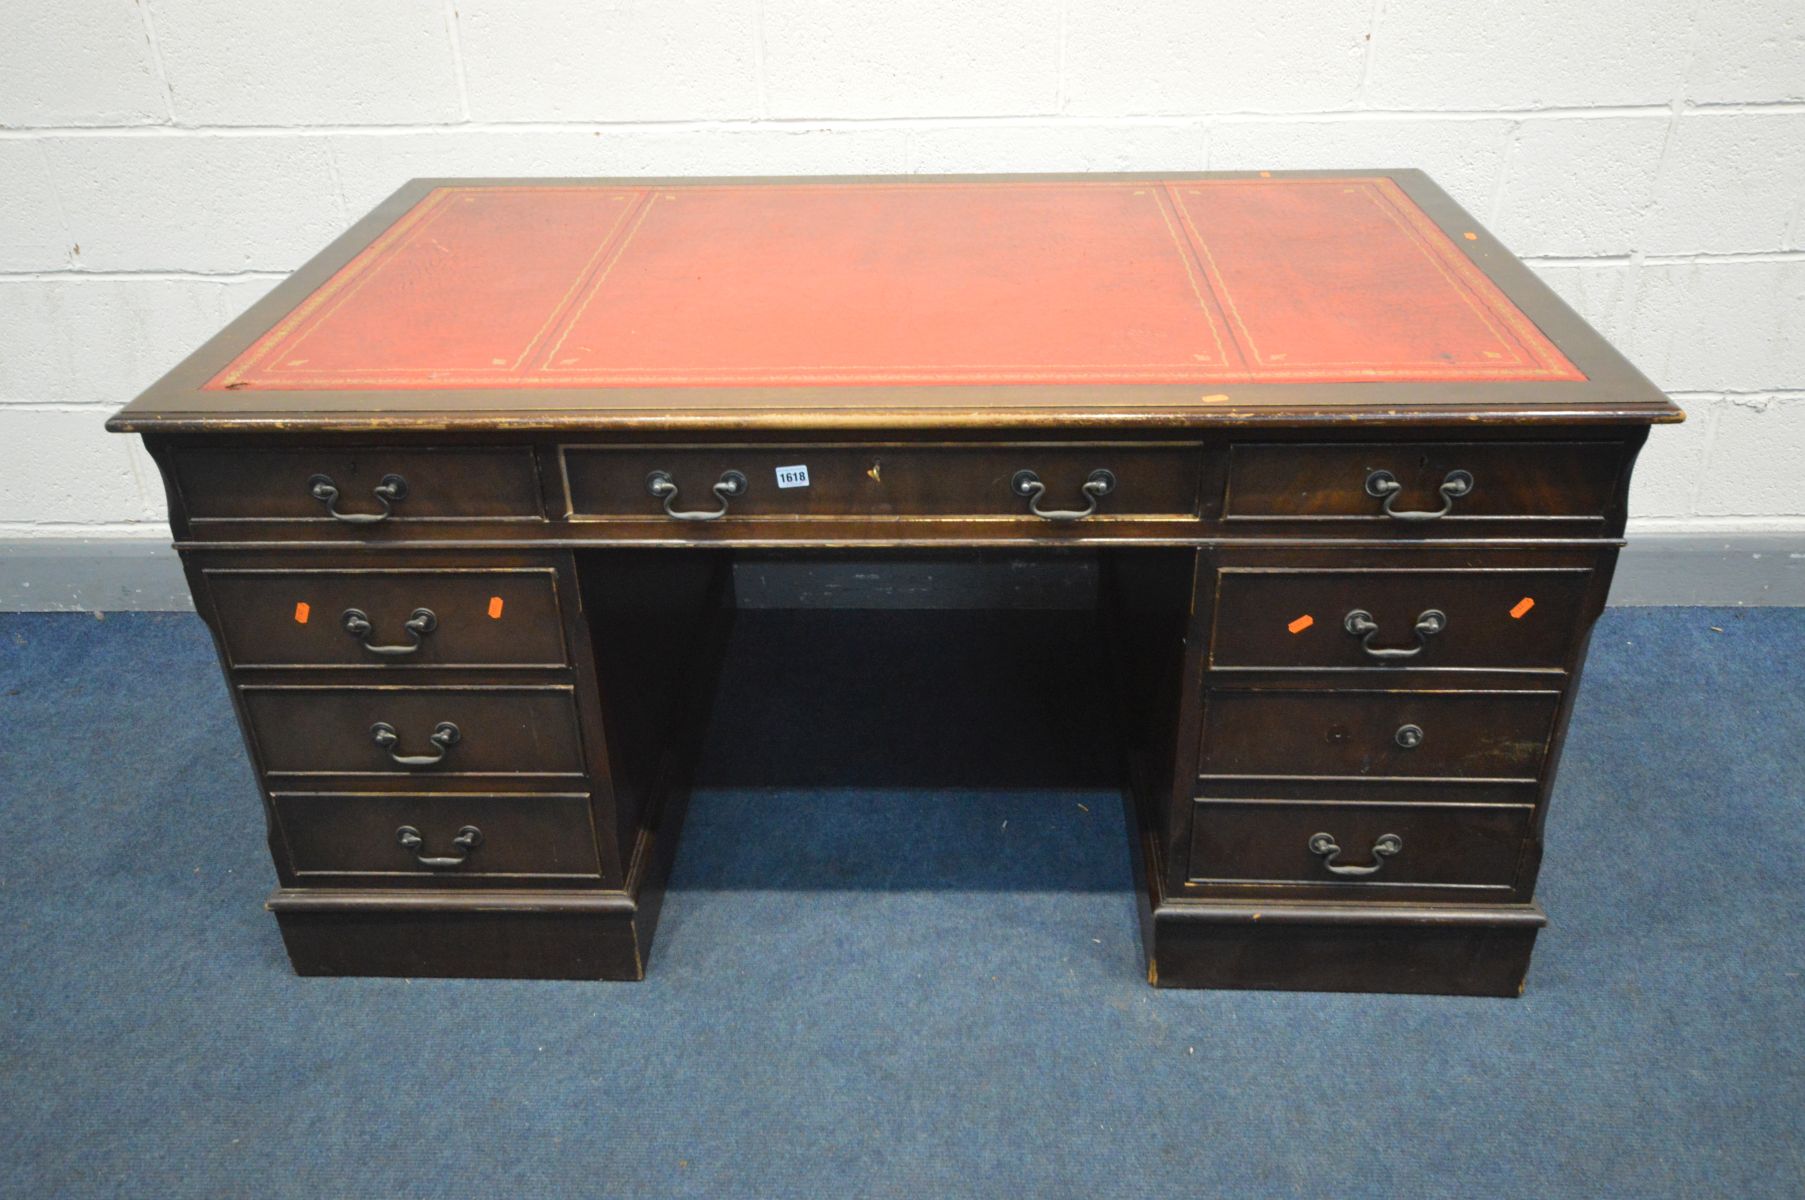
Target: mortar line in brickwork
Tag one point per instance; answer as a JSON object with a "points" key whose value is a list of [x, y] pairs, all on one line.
{"points": [[337, 180], [156, 57], [1513, 137], [758, 59], [56, 203], [177, 274], [1366, 56], [1781, 394], [1669, 135], [457, 58], [148, 275], [842, 123], [1714, 525], [1695, 486], [1734, 256], [1663, 260], [834, 123], [151, 529], [58, 406], [1577, 260]]}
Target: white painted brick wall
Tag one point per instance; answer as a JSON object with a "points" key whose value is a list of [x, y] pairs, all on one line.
{"points": [[1194, 57], [1578, 187], [207, 203], [164, 162], [591, 60], [931, 58], [1731, 181], [79, 64], [1531, 54], [307, 62]]}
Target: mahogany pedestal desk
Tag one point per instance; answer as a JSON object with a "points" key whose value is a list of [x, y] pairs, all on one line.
{"points": [[461, 503]]}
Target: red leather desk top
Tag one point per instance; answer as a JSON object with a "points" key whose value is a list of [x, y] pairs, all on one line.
{"points": [[1054, 282]]}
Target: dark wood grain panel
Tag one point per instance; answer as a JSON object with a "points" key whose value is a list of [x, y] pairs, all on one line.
{"points": [[1353, 733], [882, 481], [259, 483], [1475, 846], [480, 616], [462, 936], [524, 835], [503, 729], [1411, 958], [1507, 616], [1511, 481]]}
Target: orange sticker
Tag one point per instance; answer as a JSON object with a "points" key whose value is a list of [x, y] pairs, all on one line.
{"points": [[1470, 236], [301, 611], [495, 608], [1523, 606], [1302, 623]]}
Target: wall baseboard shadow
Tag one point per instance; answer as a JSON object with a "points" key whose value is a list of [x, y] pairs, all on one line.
{"points": [[139, 575]]}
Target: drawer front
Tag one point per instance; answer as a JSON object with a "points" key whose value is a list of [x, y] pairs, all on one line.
{"points": [[286, 485], [499, 730], [1411, 845], [1502, 618], [382, 617], [1504, 481], [886, 481], [1364, 734], [407, 834]]}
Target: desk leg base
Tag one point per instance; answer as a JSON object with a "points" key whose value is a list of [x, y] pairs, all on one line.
{"points": [[570, 937], [1446, 950]]}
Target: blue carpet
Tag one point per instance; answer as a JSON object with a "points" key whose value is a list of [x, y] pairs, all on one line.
{"points": [[849, 1033]]}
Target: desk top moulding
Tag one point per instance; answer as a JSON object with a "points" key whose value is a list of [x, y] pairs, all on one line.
{"points": [[1125, 301]]}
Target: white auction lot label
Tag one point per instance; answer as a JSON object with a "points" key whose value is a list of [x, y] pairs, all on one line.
{"points": [[788, 477]]}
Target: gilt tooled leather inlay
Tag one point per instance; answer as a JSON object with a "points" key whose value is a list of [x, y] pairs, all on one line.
{"points": [[1204, 282]]}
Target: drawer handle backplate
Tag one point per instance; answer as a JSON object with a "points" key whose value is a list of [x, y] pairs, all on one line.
{"points": [[1322, 845], [391, 491], [468, 839], [1360, 624], [356, 622], [1026, 483], [660, 485], [444, 736], [1384, 485]]}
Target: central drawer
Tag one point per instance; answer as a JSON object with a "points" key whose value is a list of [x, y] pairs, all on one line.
{"points": [[1375, 734], [496, 729], [438, 835], [388, 617], [896, 481]]}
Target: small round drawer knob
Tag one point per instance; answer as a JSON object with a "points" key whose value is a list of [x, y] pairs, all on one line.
{"points": [[1409, 736]]}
